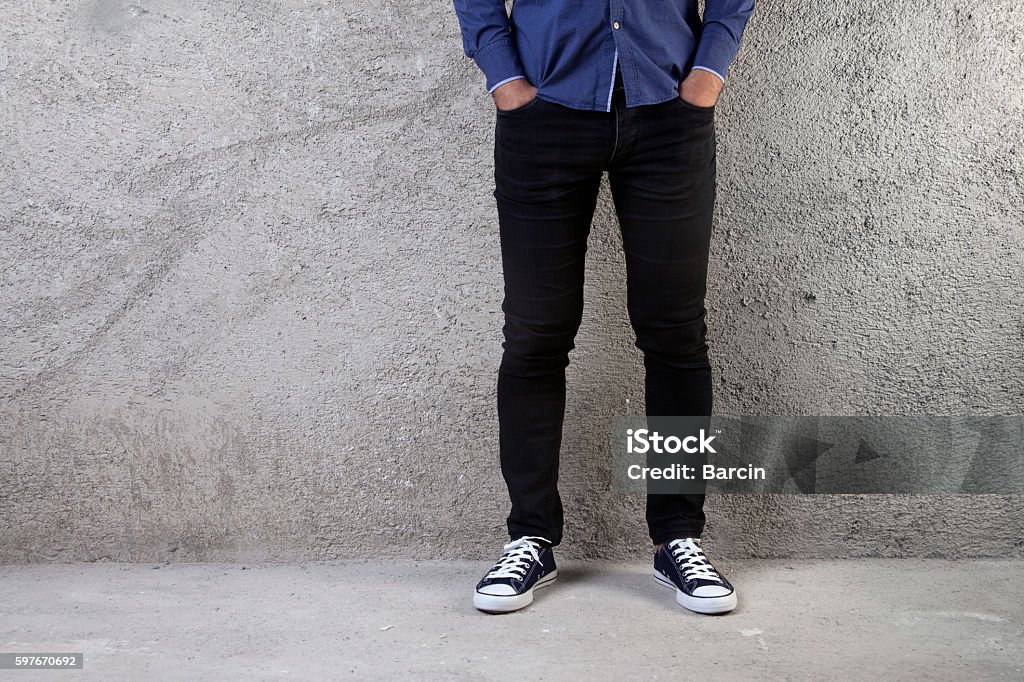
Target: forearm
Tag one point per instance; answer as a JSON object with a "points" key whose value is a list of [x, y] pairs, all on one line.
{"points": [[486, 39], [724, 22]]}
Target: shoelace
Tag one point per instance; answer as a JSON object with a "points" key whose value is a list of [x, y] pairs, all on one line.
{"points": [[516, 558], [691, 560]]}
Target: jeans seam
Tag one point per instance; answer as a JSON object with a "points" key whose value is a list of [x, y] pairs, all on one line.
{"points": [[615, 138]]}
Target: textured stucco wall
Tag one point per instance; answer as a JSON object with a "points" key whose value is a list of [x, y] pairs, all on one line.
{"points": [[251, 283]]}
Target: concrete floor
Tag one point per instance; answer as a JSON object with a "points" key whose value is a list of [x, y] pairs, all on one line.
{"points": [[797, 620]]}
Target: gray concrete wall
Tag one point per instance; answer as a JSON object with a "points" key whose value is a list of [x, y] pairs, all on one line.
{"points": [[251, 279]]}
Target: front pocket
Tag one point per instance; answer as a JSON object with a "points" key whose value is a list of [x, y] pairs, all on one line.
{"points": [[518, 109], [694, 107]]}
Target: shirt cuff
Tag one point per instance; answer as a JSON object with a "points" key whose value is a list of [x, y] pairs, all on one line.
{"points": [[716, 50], [500, 62], [704, 68], [500, 83]]}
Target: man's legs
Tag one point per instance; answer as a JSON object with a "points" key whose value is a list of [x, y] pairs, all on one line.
{"points": [[663, 184], [548, 165]]}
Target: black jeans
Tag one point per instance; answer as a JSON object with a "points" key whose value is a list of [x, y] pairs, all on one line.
{"points": [[548, 161]]}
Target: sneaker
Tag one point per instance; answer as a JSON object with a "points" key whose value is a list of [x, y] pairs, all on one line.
{"points": [[525, 565], [681, 565]]}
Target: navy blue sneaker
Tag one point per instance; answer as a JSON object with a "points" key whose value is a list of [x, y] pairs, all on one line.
{"points": [[681, 565], [525, 565]]}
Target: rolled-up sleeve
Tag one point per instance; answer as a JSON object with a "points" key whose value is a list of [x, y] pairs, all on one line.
{"points": [[724, 21], [486, 39]]}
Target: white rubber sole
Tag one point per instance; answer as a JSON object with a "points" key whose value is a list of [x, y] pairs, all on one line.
{"points": [[705, 605], [492, 603]]}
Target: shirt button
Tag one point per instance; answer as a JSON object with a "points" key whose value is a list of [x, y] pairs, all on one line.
{"points": [[615, 25]]}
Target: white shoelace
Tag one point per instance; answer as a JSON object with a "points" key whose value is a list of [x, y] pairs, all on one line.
{"points": [[691, 560], [516, 558]]}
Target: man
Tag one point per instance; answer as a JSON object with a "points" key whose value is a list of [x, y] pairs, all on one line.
{"points": [[584, 87]]}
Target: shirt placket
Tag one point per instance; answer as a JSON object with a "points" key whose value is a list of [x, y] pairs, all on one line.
{"points": [[615, 21]]}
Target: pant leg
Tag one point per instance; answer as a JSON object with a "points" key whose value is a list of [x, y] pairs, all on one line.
{"points": [[547, 175], [663, 185]]}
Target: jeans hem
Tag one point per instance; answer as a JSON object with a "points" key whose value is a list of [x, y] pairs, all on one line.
{"points": [[553, 539], [666, 536]]}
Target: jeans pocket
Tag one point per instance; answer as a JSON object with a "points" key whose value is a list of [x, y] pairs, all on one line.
{"points": [[694, 107], [521, 108]]}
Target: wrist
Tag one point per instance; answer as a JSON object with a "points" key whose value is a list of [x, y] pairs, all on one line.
{"points": [[701, 87]]}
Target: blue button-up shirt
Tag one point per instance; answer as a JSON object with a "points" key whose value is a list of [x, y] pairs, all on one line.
{"points": [[570, 49]]}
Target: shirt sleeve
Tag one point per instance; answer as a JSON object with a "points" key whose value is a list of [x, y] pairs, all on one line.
{"points": [[724, 21], [486, 38]]}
